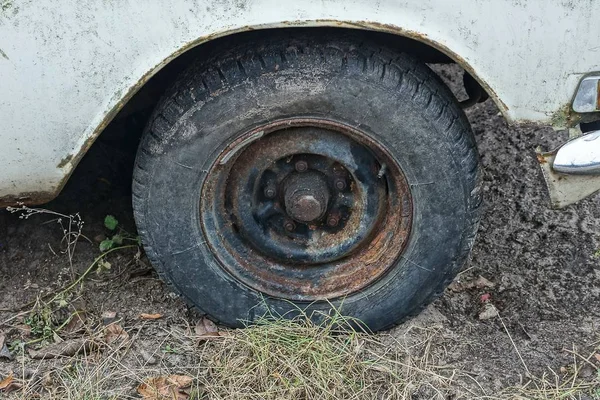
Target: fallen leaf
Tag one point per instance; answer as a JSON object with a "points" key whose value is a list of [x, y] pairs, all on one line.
{"points": [[206, 329], [150, 316], [597, 357], [6, 381], [68, 348], [114, 333], [8, 384], [172, 387], [4, 352], [182, 381], [76, 323]]}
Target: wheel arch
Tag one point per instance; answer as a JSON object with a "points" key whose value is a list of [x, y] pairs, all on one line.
{"points": [[136, 96], [424, 47]]}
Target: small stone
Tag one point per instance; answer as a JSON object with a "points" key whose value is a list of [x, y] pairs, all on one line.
{"points": [[108, 317], [489, 312]]}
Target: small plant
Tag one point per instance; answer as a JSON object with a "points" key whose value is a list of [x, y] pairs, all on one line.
{"points": [[169, 349], [71, 226], [41, 324], [118, 235], [16, 346]]}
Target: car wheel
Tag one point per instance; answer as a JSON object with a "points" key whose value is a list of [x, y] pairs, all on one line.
{"points": [[308, 173]]}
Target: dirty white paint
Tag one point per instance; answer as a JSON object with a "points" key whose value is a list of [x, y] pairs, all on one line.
{"points": [[65, 64]]}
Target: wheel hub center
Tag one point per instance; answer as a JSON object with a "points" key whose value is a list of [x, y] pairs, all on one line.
{"points": [[306, 196]]}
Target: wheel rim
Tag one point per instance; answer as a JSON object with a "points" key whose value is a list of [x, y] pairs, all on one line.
{"points": [[306, 209]]}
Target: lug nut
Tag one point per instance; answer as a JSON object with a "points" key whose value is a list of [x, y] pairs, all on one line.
{"points": [[333, 220], [270, 192], [301, 166], [340, 184], [289, 226]]}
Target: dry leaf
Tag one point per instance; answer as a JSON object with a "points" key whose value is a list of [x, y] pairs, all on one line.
{"points": [[182, 381], [67, 348], [172, 387], [8, 384], [4, 352], [114, 333], [150, 316], [76, 324], [206, 329], [4, 383], [597, 356]]}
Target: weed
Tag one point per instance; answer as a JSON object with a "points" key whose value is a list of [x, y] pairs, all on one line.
{"points": [[118, 236], [71, 226], [41, 324], [170, 349]]}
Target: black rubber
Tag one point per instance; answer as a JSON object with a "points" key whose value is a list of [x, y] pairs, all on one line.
{"points": [[392, 95]]}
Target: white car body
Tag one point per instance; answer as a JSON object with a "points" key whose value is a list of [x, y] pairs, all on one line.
{"points": [[68, 66]]}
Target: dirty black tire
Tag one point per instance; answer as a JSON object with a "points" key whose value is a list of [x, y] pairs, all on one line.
{"points": [[401, 101]]}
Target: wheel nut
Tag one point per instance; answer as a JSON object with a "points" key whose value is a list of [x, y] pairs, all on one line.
{"points": [[270, 192], [333, 220], [340, 184], [301, 166], [289, 226]]}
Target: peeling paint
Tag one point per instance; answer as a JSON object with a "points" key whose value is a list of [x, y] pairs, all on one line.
{"points": [[31, 198], [65, 161]]}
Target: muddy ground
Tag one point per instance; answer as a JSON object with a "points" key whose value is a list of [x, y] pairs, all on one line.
{"points": [[546, 279]]}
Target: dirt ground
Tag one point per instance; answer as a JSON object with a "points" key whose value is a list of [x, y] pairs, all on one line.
{"points": [[544, 279]]}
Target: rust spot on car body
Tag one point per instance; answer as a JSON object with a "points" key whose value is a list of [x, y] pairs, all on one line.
{"points": [[31, 198], [565, 117]]}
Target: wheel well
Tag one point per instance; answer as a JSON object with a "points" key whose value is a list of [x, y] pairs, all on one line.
{"points": [[125, 129], [149, 94]]}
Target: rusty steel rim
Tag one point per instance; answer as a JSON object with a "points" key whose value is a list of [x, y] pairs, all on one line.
{"points": [[306, 209]]}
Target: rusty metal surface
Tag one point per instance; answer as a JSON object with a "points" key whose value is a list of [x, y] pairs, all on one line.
{"points": [[330, 257]]}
